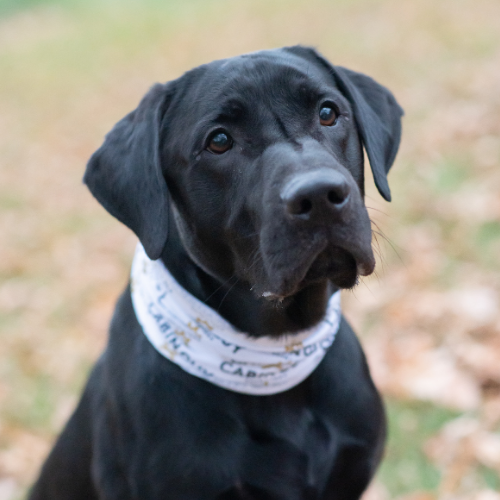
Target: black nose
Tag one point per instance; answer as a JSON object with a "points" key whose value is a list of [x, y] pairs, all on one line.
{"points": [[317, 195]]}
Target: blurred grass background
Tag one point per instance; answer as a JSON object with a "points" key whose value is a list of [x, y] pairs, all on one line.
{"points": [[429, 320]]}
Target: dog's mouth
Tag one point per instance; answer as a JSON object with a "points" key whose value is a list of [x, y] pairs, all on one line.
{"points": [[337, 264], [340, 266]]}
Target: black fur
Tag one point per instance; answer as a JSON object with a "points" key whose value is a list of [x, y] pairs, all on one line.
{"points": [[257, 218]]}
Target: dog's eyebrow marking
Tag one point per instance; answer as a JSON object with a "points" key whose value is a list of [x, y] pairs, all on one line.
{"points": [[283, 129], [231, 110]]}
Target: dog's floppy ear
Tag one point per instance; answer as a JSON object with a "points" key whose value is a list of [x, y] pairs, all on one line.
{"points": [[377, 114], [125, 174], [378, 117]]}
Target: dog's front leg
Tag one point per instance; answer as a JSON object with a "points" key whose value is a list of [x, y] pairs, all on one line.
{"points": [[108, 474], [355, 467], [66, 473]]}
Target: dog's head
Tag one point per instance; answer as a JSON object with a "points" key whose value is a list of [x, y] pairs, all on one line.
{"points": [[259, 160]]}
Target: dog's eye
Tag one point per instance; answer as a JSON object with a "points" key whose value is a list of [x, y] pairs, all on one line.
{"points": [[327, 115], [219, 142]]}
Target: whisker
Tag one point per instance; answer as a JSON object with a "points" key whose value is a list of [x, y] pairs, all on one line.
{"points": [[378, 210], [382, 235], [218, 288], [254, 258], [227, 293], [247, 236], [363, 281], [378, 250]]}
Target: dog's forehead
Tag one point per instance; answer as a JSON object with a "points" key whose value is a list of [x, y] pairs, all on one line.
{"points": [[265, 72], [277, 60]]}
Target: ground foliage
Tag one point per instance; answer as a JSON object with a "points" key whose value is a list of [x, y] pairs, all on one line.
{"points": [[429, 320]]}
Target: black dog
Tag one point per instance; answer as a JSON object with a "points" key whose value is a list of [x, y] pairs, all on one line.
{"points": [[245, 177]]}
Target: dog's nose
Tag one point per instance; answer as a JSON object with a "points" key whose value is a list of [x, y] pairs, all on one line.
{"points": [[318, 195]]}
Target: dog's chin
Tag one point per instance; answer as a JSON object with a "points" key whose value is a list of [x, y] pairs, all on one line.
{"points": [[341, 267], [336, 265]]}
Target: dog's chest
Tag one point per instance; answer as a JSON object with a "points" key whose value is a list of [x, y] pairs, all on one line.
{"points": [[245, 447]]}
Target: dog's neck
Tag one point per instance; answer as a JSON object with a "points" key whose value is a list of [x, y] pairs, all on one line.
{"points": [[239, 305]]}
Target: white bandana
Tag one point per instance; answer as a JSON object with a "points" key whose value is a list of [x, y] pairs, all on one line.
{"points": [[192, 335]]}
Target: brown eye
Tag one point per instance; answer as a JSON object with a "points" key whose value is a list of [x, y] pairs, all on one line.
{"points": [[327, 115], [219, 142]]}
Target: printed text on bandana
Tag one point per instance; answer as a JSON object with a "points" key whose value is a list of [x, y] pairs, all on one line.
{"points": [[201, 342]]}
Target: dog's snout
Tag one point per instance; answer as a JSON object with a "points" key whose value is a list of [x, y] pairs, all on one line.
{"points": [[316, 195]]}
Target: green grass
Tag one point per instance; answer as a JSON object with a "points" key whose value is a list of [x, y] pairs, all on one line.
{"points": [[488, 233], [33, 408], [491, 478], [449, 175], [405, 467], [11, 6], [487, 244]]}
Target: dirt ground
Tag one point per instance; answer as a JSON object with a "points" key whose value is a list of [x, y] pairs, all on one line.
{"points": [[430, 318]]}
